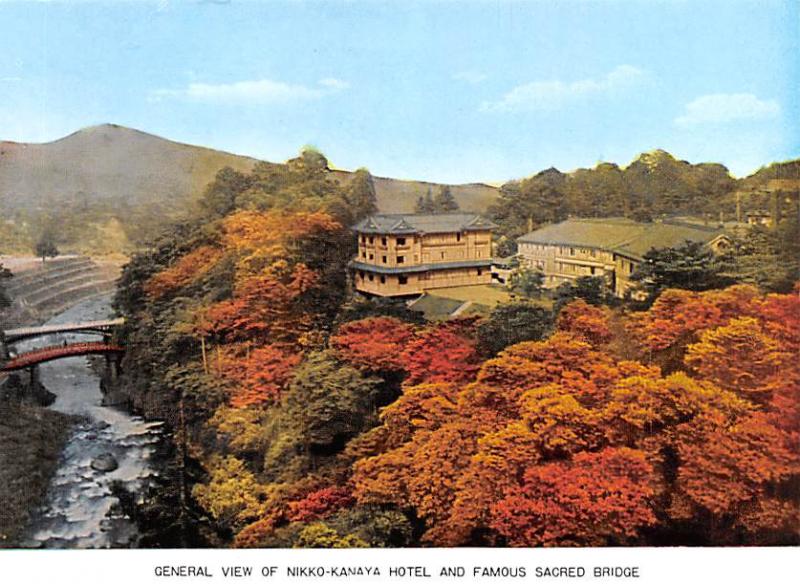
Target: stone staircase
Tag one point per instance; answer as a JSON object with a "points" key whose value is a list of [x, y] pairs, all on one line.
{"points": [[41, 291]]}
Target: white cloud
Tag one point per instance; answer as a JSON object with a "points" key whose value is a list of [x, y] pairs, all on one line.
{"points": [[550, 95], [261, 91], [471, 77], [720, 108], [333, 83]]}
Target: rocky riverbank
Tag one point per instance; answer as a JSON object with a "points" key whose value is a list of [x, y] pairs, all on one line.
{"points": [[31, 440]]}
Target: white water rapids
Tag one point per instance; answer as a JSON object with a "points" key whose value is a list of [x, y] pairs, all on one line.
{"points": [[79, 510]]}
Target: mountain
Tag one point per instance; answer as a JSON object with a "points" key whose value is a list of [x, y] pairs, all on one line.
{"points": [[111, 188]]}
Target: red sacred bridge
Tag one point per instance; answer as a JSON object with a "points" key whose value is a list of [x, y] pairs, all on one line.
{"points": [[37, 356]]}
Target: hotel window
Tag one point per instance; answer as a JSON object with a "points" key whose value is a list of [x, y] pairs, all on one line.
{"points": [[371, 239], [480, 272], [383, 241], [572, 251], [383, 279], [402, 280], [372, 256], [401, 259], [371, 278], [458, 237], [593, 253], [363, 254], [363, 239], [479, 254], [442, 255], [383, 259], [592, 271], [401, 241]]}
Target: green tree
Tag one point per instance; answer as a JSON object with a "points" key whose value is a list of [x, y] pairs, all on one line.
{"points": [[755, 260], [527, 204], [445, 202], [593, 289], [361, 195], [220, 195], [527, 282], [691, 266], [319, 535], [512, 323], [327, 403], [425, 204], [46, 244]]}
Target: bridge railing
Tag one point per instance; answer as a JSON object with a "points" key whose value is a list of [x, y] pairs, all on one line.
{"points": [[44, 354]]}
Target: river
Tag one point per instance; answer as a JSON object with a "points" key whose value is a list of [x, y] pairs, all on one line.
{"points": [[79, 509]]}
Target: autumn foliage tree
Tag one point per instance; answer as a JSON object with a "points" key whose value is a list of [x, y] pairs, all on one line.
{"points": [[597, 498], [187, 269], [257, 376], [440, 353], [584, 321], [373, 344]]}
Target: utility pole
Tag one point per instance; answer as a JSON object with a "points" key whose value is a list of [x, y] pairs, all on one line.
{"points": [[205, 355]]}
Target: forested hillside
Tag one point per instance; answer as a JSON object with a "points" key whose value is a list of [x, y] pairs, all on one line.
{"points": [[303, 416], [654, 185]]}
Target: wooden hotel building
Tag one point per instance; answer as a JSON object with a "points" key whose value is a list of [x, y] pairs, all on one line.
{"points": [[403, 255]]}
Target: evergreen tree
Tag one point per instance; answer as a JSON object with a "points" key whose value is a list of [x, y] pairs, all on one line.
{"points": [[592, 289], [445, 202], [219, 198], [46, 244], [425, 204], [689, 267], [527, 282], [513, 323], [361, 195]]}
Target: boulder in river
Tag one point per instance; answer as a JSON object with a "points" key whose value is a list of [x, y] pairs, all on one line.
{"points": [[105, 463]]}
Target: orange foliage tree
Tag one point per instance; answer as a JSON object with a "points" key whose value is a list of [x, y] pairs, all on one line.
{"points": [[584, 321], [740, 357], [268, 306], [373, 344], [319, 504], [184, 271], [440, 353], [259, 375], [597, 498], [740, 472]]}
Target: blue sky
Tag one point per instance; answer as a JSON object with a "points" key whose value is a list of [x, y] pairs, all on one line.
{"points": [[444, 91]]}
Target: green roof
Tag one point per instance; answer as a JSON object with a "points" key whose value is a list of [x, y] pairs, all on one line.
{"points": [[435, 307], [623, 236], [432, 223]]}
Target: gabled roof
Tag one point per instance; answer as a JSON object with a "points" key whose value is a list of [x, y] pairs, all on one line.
{"points": [[623, 236], [413, 223]]}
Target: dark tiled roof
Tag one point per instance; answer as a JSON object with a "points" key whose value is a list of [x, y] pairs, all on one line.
{"points": [[623, 236], [409, 223], [421, 267], [506, 262]]}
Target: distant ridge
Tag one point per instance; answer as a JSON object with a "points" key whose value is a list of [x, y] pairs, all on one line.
{"points": [[120, 186], [134, 182]]}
